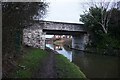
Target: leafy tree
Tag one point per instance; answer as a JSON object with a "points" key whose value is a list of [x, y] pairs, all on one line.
{"points": [[92, 25], [104, 16], [114, 29], [15, 17], [92, 20]]}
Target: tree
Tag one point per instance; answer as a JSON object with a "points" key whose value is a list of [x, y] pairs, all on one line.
{"points": [[105, 17], [92, 25], [114, 29], [15, 17], [101, 23], [23, 12]]}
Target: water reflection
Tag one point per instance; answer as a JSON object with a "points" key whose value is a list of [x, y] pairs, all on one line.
{"points": [[57, 47], [97, 66], [61, 50], [93, 65]]}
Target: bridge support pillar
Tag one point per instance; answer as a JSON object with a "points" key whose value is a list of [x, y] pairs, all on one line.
{"points": [[43, 41], [34, 38], [78, 42]]}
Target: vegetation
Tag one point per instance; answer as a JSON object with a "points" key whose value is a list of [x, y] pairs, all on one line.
{"points": [[32, 60], [66, 69], [29, 63], [15, 17], [103, 27]]}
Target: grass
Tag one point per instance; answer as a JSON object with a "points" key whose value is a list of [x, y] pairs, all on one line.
{"points": [[29, 63], [66, 69], [32, 60]]}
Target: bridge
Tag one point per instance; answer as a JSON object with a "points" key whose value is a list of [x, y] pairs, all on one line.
{"points": [[34, 35]]}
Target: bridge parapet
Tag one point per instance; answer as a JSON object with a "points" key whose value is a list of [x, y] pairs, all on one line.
{"points": [[63, 26]]}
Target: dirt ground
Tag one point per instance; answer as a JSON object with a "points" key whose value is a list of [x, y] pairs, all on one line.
{"points": [[47, 70]]}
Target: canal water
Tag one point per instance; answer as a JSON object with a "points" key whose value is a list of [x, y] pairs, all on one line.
{"points": [[92, 65]]}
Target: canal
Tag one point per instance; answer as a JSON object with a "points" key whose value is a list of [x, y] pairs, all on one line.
{"points": [[93, 65]]}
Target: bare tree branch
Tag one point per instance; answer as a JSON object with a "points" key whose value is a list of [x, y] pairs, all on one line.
{"points": [[105, 17]]}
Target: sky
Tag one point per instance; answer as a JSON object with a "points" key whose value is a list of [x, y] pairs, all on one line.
{"points": [[67, 10], [64, 11]]}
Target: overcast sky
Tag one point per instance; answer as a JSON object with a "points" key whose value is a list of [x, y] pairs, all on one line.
{"points": [[66, 10], [63, 11]]}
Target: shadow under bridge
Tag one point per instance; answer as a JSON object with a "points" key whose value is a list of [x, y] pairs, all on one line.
{"points": [[60, 28]]}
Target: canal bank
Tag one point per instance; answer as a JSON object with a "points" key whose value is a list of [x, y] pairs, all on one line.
{"points": [[64, 68], [89, 50], [92, 65], [38, 63]]}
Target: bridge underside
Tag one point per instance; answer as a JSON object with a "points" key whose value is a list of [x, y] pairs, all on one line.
{"points": [[63, 32], [77, 37]]}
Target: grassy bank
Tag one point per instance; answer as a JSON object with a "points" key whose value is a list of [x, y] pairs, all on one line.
{"points": [[29, 63], [33, 59], [66, 69]]}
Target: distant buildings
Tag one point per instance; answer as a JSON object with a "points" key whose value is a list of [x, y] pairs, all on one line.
{"points": [[62, 36]]}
